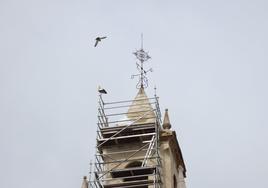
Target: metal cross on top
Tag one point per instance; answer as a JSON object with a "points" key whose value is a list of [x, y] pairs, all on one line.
{"points": [[142, 56]]}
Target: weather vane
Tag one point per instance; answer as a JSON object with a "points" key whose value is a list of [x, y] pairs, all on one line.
{"points": [[142, 56]]}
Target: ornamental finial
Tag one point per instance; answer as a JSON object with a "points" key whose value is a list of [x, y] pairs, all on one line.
{"points": [[142, 56]]}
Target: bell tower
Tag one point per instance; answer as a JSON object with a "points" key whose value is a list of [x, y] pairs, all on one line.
{"points": [[135, 148]]}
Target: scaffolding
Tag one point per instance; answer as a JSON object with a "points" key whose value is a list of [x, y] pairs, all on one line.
{"points": [[127, 149]]}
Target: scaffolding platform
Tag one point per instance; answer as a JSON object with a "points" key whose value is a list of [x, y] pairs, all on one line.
{"points": [[136, 184], [135, 133]]}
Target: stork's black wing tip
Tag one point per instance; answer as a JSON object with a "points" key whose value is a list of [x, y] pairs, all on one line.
{"points": [[96, 43]]}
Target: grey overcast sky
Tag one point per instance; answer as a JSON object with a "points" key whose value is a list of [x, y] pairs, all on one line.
{"points": [[210, 67]]}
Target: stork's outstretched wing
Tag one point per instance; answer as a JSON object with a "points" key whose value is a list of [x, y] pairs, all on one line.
{"points": [[96, 43]]}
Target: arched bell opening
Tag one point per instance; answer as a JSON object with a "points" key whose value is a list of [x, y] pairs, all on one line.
{"points": [[174, 182]]}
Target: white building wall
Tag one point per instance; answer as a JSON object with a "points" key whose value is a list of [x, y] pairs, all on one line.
{"points": [[169, 169]]}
